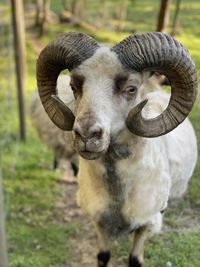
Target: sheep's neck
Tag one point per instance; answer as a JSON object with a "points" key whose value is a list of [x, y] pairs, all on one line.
{"points": [[125, 146], [111, 179]]}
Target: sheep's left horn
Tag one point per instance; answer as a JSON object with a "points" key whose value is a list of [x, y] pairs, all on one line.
{"points": [[67, 51], [160, 52]]}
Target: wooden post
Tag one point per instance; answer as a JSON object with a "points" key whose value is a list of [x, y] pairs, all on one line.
{"points": [[19, 45], [77, 8], [38, 9], [176, 17], [122, 14], [163, 17], [3, 248]]}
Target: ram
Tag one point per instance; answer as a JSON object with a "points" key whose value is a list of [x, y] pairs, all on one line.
{"points": [[133, 157]]}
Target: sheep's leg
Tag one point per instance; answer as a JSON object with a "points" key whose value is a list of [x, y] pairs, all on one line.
{"points": [[141, 236], [136, 257], [74, 168], [103, 255]]}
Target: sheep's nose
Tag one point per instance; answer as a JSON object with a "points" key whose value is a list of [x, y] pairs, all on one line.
{"points": [[88, 133]]}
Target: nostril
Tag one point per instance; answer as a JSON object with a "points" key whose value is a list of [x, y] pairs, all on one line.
{"points": [[77, 132], [96, 133]]}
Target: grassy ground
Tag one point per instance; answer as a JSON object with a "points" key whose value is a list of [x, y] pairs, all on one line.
{"points": [[37, 236]]}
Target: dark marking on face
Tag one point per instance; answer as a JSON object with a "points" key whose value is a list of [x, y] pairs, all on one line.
{"points": [[76, 84], [134, 261], [119, 82], [103, 258], [77, 80]]}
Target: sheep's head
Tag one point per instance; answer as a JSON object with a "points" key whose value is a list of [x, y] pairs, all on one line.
{"points": [[107, 86]]}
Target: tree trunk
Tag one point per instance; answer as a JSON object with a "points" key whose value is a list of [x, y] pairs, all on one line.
{"points": [[104, 12], [176, 17], [77, 8], [163, 17], [38, 13], [66, 4], [122, 14], [45, 14]]}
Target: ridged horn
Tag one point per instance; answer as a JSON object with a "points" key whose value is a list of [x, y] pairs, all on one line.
{"points": [[67, 51], [160, 52]]}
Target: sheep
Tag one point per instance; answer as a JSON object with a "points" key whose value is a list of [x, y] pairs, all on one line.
{"points": [[55, 138], [136, 148]]}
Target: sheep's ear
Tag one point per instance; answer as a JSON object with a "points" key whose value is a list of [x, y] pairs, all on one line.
{"points": [[146, 75], [165, 81]]}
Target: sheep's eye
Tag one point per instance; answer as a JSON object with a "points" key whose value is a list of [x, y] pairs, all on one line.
{"points": [[76, 83], [76, 90], [132, 89], [72, 87]]}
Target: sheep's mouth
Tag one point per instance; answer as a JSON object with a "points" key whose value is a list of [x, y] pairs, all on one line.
{"points": [[91, 155]]}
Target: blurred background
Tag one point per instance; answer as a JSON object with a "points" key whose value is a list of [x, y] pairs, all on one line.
{"points": [[43, 225]]}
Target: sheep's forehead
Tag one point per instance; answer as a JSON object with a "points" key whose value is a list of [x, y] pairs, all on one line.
{"points": [[104, 62]]}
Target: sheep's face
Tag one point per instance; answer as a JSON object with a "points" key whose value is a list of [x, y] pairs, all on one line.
{"points": [[105, 93]]}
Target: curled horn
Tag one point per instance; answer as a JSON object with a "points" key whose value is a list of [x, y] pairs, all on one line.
{"points": [[67, 51], [160, 52]]}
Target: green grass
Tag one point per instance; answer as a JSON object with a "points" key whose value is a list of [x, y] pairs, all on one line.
{"points": [[31, 190], [182, 250], [34, 239], [179, 249], [44, 245]]}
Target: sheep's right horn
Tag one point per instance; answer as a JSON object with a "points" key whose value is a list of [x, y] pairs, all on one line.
{"points": [[67, 51]]}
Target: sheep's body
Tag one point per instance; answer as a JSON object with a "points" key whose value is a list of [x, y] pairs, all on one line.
{"points": [[131, 185], [58, 141]]}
